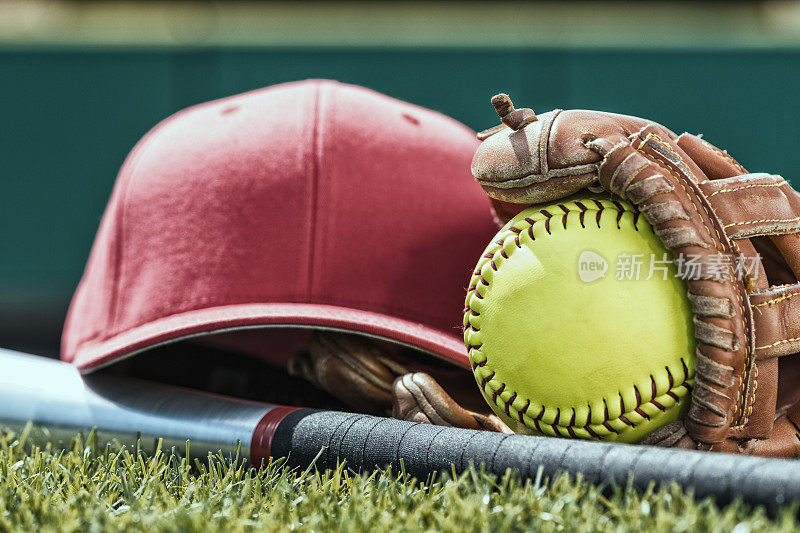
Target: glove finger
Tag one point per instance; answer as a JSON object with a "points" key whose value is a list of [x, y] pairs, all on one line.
{"points": [[418, 397], [715, 163]]}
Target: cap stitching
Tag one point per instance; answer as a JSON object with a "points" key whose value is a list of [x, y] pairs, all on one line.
{"points": [[315, 165]]}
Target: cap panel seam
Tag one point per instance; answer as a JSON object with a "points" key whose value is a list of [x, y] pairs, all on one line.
{"points": [[314, 171], [135, 159]]}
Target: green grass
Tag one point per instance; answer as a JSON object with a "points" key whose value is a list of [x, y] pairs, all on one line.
{"points": [[90, 489]]}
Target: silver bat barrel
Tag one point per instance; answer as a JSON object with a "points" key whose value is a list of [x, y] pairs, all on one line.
{"points": [[61, 403]]}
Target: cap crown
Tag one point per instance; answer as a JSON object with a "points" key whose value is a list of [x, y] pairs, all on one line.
{"points": [[311, 203]]}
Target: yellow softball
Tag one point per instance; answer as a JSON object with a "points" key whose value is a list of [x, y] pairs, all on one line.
{"points": [[578, 325]]}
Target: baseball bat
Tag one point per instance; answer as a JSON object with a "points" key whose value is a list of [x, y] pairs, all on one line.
{"points": [[61, 403]]}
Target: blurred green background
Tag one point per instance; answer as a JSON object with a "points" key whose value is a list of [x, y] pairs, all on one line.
{"points": [[81, 82]]}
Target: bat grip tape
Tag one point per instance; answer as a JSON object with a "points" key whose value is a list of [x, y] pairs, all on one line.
{"points": [[366, 442]]}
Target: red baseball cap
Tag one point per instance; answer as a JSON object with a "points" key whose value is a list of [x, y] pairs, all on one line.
{"points": [[312, 204]]}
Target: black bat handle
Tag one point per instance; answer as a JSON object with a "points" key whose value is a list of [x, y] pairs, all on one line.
{"points": [[366, 442]]}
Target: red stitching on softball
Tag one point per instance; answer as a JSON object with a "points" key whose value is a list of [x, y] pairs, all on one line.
{"points": [[498, 392], [619, 212], [509, 402], [537, 421], [546, 220], [582, 214], [524, 410]]}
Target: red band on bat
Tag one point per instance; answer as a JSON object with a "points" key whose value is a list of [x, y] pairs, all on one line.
{"points": [[261, 442]]}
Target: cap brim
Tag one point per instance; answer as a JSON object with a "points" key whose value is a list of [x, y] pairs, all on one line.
{"points": [[249, 316]]}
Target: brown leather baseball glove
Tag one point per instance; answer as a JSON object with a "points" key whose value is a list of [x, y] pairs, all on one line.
{"points": [[356, 371], [703, 204]]}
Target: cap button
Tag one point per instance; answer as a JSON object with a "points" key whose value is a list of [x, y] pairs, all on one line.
{"points": [[516, 119]]}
